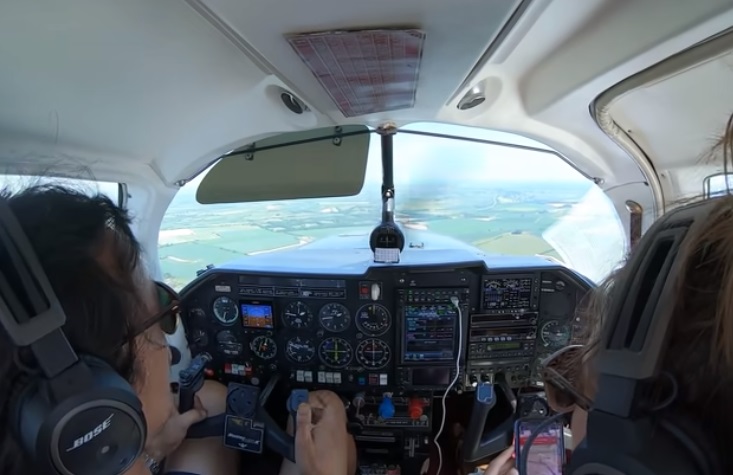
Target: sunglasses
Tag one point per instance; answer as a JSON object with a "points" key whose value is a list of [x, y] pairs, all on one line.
{"points": [[560, 373], [170, 307]]}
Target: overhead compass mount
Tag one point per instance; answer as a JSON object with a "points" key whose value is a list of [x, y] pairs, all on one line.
{"points": [[387, 239]]}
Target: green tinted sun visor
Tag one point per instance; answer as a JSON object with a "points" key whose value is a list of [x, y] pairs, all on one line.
{"points": [[319, 163]]}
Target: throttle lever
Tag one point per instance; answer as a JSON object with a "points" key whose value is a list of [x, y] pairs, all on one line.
{"points": [[478, 445], [191, 380]]}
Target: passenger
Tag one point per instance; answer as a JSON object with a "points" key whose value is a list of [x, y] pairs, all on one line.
{"points": [[700, 354], [117, 313]]}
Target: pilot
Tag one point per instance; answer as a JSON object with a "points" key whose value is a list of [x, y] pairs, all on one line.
{"points": [[700, 354], [114, 312]]}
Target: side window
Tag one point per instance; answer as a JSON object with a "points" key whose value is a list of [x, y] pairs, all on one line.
{"points": [[717, 185]]}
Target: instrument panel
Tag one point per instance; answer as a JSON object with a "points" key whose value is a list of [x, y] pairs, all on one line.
{"points": [[395, 329]]}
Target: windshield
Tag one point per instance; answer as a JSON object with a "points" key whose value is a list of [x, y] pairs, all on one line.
{"points": [[499, 199]]}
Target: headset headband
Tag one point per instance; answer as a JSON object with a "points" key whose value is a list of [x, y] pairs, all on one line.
{"points": [[635, 338], [33, 319]]}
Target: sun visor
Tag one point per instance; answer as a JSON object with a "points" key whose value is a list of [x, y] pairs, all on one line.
{"points": [[319, 163]]}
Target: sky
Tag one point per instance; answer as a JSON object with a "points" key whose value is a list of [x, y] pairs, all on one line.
{"points": [[419, 158]]}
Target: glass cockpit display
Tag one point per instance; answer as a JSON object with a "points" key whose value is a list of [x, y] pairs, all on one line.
{"points": [[429, 333], [256, 314]]}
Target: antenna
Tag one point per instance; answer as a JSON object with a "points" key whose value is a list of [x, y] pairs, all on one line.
{"points": [[387, 239]]}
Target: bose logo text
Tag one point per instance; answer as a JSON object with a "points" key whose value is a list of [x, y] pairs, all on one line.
{"points": [[91, 434]]}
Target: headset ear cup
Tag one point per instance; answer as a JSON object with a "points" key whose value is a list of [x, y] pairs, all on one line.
{"points": [[99, 429]]}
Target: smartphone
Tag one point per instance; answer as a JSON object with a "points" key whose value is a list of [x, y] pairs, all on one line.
{"points": [[547, 452]]}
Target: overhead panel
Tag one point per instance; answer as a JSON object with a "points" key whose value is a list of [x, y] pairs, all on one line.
{"points": [[364, 71]]}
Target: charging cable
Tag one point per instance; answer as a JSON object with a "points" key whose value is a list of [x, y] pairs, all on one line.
{"points": [[456, 303]]}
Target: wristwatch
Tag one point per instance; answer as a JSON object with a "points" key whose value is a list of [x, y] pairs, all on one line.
{"points": [[152, 464]]}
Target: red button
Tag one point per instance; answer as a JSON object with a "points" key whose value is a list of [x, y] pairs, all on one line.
{"points": [[415, 408]]}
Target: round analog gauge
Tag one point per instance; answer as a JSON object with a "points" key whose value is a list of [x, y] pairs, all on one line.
{"points": [[225, 310], [373, 319], [300, 349], [335, 352], [228, 343], [297, 315], [334, 317], [555, 333], [264, 347], [373, 353]]}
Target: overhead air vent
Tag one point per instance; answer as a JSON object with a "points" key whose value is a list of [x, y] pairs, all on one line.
{"points": [[294, 105], [473, 98]]}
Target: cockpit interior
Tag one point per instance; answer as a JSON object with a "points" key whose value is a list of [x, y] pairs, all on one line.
{"points": [[403, 334], [407, 203]]}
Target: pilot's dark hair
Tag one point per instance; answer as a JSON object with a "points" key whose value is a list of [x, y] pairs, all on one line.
{"points": [[69, 231], [700, 348]]}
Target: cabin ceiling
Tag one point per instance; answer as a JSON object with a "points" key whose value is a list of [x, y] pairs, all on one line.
{"points": [[159, 89], [689, 125]]}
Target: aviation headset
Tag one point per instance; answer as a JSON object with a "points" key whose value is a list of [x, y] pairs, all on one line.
{"points": [[72, 414], [622, 437]]}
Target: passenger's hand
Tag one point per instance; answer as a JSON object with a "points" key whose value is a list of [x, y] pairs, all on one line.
{"points": [[321, 440], [503, 464], [167, 439]]}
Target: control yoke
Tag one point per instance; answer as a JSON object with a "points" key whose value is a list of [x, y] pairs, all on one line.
{"points": [[246, 426], [478, 445]]}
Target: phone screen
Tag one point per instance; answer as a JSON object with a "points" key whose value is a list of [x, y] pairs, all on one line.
{"points": [[547, 452]]}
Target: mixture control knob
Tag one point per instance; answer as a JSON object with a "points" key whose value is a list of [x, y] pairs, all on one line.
{"points": [[473, 380], [415, 409], [386, 408]]}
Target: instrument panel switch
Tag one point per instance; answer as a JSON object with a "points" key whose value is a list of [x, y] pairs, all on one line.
{"points": [[386, 408]]}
